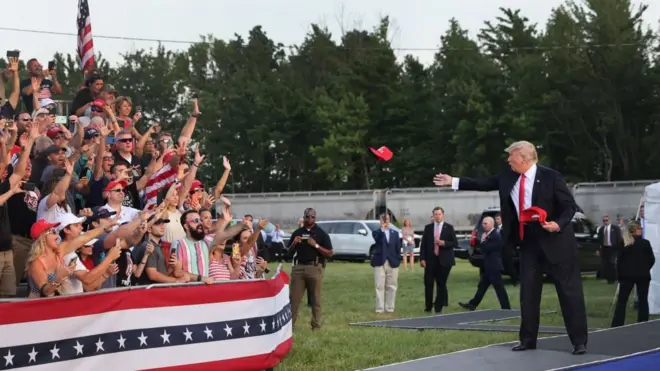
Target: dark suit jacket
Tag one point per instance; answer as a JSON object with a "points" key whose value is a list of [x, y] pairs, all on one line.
{"points": [[386, 250], [492, 250], [616, 238], [427, 246], [550, 193], [634, 262]]}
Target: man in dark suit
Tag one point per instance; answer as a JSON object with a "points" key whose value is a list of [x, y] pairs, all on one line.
{"points": [[436, 254], [491, 245], [385, 261], [548, 246], [611, 240]]}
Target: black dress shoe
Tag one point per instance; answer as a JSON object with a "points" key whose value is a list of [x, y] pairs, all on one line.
{"points": [[579, 350], [427, 310], [521, 347], [467, 306]]}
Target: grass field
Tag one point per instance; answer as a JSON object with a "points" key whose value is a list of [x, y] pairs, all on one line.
{"points": [[348, 296]]}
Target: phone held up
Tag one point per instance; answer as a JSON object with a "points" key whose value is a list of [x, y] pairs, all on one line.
{"points": [[13, 53], [51, 65], [29, 187]]}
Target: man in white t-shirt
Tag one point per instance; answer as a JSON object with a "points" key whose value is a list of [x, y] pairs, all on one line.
{"points": [[83, 279], [114, 193]]}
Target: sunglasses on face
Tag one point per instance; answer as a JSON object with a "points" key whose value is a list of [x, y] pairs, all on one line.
{"points": [[310, 216], [117, 190], [52, 231], [125, 140], [196, 220]]}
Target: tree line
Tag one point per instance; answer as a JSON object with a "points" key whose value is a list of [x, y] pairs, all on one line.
{"points": [[585, 89]]}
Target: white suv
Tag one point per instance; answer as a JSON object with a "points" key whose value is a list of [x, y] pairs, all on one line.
{"points": [[352, 239]]}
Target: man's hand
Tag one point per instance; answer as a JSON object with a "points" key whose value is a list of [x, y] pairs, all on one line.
{"points": [[442, 180], [422, 263], [225, 163], [551, 226], [297, 240], [440, 242], [13, 64], [207, 280], [311, 241]]}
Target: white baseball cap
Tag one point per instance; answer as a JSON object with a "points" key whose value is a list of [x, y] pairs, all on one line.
{"points": [[67, 219]]}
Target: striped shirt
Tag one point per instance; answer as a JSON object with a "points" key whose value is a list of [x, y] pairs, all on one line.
{"points": [[194, 255], [164, 177], [219, 271]]}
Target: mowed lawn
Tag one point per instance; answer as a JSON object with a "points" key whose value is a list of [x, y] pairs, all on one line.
{"points": [[348, 296]]}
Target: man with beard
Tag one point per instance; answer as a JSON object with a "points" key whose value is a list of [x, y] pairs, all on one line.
{"points": [[191, 253]]}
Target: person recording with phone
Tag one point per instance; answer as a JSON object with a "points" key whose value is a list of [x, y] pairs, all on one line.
{"points": [[310, 246], [47, 80]]}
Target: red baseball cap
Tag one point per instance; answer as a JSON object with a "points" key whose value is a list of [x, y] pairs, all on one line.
{"points": [[533, 214], [383, 153], [115, 183], [195, 184], [40, 227], [53, 131], [98, 103]]}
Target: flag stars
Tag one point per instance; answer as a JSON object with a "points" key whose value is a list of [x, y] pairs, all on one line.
{"points": [[263, 325], [33, 356], [55, 352], [122, 342], [188, 334], [228, 329], [99, 346], [166, 337], [143, 339], [79, 348], [273, 324], [9, 358], [246, 329], [208, 332]]}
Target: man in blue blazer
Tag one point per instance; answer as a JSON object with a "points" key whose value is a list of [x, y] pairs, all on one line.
{"points": [[386, 260], [491, 247]]}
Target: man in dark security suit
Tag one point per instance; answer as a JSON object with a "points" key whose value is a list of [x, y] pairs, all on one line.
{"points": [[491, 245], [436, 254], [549, 246]]}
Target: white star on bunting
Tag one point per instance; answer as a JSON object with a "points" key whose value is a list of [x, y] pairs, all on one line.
{"points": [[55, 352], [33, 355], [228, 329], [208, 332], [166, 337], [246, 328], [188, 334], [143, 339], [9, 359], [79, 348], [263, 325], [122, 342], [99, 346]]}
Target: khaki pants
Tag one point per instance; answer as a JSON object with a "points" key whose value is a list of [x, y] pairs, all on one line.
{"points": [[21, 247], [7, 274], [310, 278], [385, 279]]}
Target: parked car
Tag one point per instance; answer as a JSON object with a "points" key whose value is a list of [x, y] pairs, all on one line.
{"points": [[585, 234], [352, 239]]}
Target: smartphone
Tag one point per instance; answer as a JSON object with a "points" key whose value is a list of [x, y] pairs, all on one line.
{"points": [[138, 109], [135, 172], [304, 237], [195, 96], [61, 120], [236, 249], [73, 260], [9, 123], [13, 53], [71, 125], [29, 186], [51, 65]]}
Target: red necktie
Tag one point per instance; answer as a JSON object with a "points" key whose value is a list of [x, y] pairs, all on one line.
{"points": [[521, 205], [436, 248]]}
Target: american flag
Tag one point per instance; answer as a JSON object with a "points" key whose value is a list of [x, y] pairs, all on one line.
{"points": [[226, 326], [85, 41]]}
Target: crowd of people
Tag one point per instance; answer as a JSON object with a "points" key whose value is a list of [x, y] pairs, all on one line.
{"points": [[89, 202]]}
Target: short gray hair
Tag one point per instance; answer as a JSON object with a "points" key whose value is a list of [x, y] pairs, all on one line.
{"points": [[489, 219], [527, 150]]}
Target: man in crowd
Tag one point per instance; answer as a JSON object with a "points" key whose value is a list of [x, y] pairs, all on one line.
{"points": [[611, 240], [436, 254], [385, 261], [550, 244], [310, 246], [491, 246]]}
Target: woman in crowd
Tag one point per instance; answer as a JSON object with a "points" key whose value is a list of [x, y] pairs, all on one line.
{"points": [[123, 108], [46, 267], [225, 268], [634, 263], [253, 265], [408, 244]]}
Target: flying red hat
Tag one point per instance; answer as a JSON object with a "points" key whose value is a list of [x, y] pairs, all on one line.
{"points": [[383, 153], [533, 214]]}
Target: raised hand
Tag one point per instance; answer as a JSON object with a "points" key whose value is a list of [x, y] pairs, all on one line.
{"points": [[115, 252], [263, 223], [198, 158], [68, 166], [225, 163]]}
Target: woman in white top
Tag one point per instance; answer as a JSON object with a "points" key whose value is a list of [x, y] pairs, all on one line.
{"points": [[54, 203]]}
